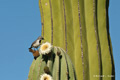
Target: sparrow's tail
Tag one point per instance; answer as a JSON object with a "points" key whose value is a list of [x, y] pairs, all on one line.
{"points": [[30, 47]]}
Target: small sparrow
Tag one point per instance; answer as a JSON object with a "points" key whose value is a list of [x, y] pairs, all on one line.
{"points": [[37, 42]]}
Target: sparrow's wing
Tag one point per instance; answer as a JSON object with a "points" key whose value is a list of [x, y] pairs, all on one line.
{"points": [[33, 43]]}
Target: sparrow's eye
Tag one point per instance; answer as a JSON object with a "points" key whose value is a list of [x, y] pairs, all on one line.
{"points": [[42, 38]]}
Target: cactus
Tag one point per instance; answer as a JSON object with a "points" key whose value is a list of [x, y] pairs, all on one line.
{"points": [[56, 63], [81, 28]]}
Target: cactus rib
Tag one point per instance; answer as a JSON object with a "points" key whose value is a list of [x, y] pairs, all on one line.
{"points": [[97, 37], [65, 26], [81, 41], [51, 22], [42, 18], [107, 58]]}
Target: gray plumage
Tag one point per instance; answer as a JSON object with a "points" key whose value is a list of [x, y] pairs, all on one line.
{"points": [[37, 42]]}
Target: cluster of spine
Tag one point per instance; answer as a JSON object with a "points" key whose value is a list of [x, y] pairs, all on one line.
{"points": [[81, 28], [57, 64]]}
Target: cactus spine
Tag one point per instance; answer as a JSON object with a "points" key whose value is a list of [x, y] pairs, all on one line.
{"points": [[57, 64], [81, 28]]}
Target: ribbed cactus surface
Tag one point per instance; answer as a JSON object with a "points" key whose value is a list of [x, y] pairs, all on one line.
{"points": [[81, 28], [57, 64]]}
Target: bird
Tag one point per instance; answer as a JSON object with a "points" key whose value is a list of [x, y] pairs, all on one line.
{"points": [[37, 42]]}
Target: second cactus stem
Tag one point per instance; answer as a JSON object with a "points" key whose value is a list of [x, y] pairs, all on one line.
{"points": [[56, 65]]}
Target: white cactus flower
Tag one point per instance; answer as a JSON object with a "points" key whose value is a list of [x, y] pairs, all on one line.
{"points": [[45, 48], [45, 77]]}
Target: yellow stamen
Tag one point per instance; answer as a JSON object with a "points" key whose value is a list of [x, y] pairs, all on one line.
{"points": [[44, 47], [46, 78]]}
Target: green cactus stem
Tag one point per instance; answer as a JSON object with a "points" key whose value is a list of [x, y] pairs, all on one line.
{"points": [[81, 28]]}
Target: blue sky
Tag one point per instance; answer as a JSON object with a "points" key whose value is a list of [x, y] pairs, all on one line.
{"points": [[20, 24], [114, 16]]}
